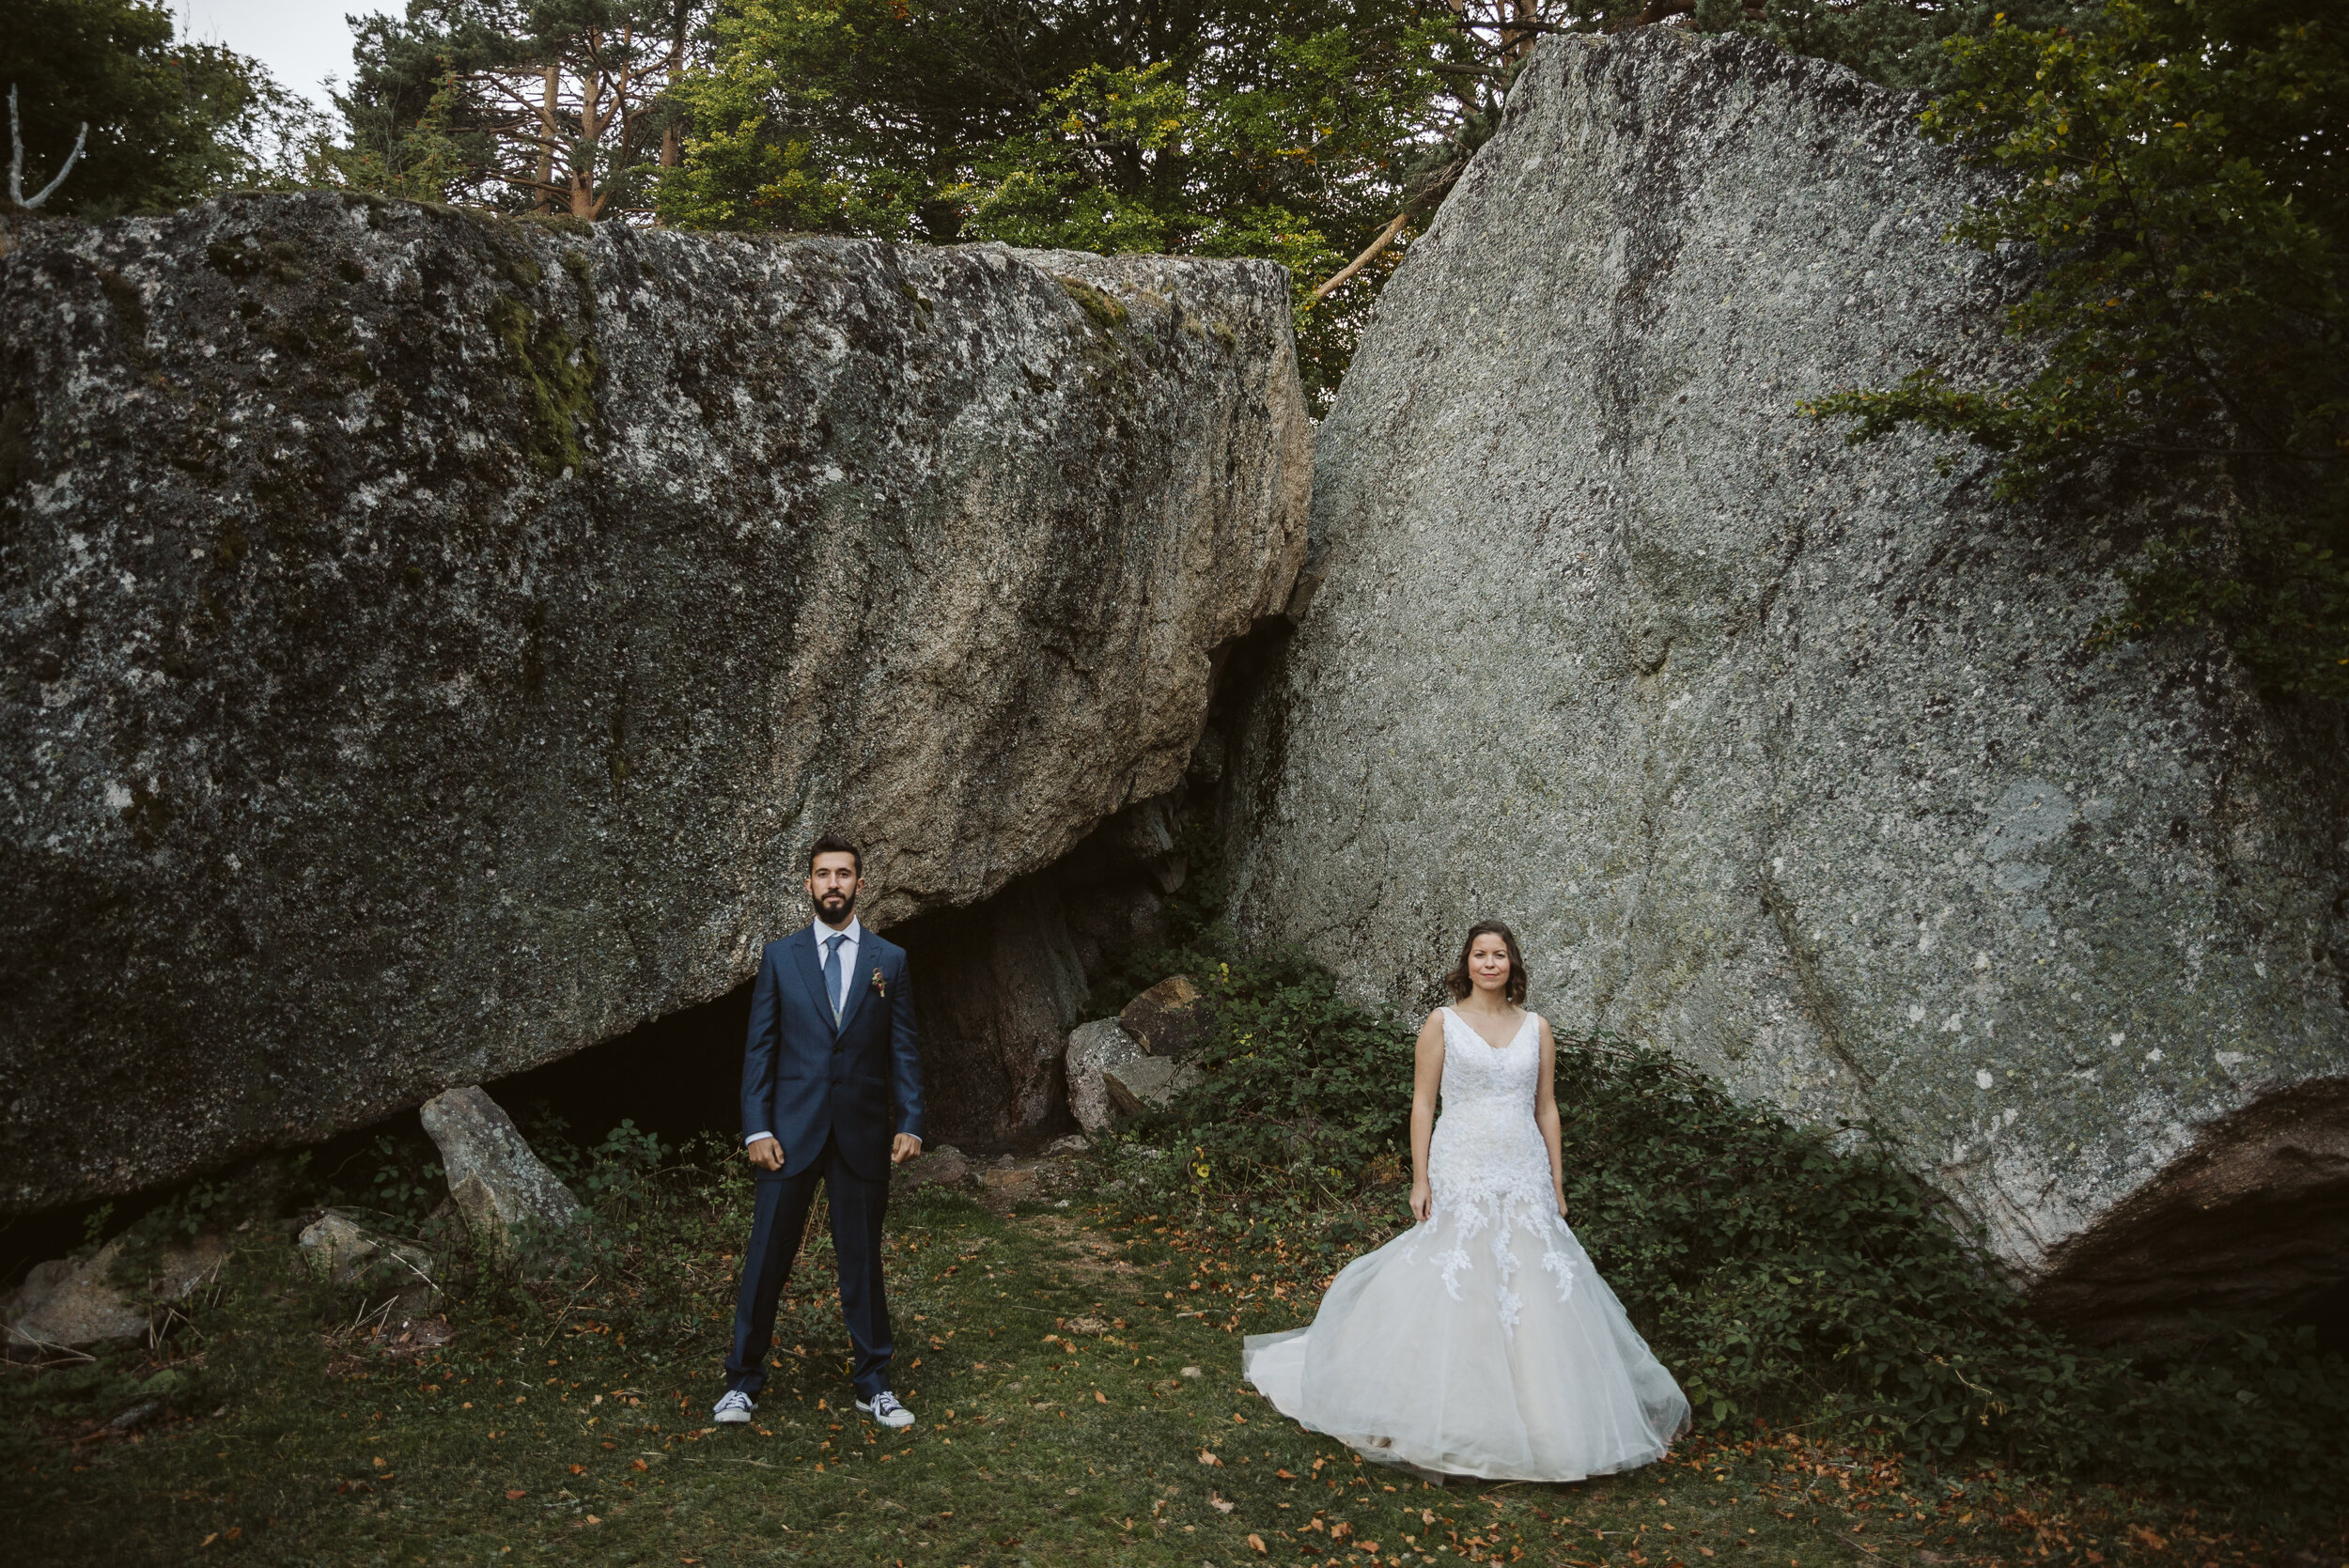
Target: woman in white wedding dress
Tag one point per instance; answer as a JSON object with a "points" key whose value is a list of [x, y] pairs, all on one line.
{"points": [[1481, 1341]]}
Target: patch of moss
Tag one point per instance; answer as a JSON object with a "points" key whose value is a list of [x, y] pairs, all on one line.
{"points": [[1106, 312], [559, 372], [129, 317], [583, 278]]}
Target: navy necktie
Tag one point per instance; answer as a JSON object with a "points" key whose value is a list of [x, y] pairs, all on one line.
{"points": [[831, 971]]}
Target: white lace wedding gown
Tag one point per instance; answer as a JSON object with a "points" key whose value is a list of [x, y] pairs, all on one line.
{"points": [[1481, 1343]]}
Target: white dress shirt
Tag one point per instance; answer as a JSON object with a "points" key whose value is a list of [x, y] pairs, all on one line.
{"points": [[854, 931]]}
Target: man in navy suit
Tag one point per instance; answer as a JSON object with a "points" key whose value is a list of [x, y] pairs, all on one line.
{"points": [[831, 1089]]}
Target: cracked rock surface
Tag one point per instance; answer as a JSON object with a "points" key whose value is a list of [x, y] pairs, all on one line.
{"points": [[1790, 755], [428, 643]]}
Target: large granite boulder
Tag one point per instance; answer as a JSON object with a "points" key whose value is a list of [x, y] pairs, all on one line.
{"points": [[428, 643], [1794, 757]]}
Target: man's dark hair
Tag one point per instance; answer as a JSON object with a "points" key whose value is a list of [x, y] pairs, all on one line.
{"points": [[832, 843]]}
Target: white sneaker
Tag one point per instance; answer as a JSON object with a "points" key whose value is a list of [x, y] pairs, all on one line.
{"points": [[734, 1409], [885, 1409]]}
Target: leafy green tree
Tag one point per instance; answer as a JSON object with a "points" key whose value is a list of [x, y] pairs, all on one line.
{"points": [[1291, 147], [1305, 131], [523, 105], [168, 123], [2177, 167]]}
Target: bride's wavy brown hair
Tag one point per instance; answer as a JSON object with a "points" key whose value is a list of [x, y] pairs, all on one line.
{"points": [[1458, 983]]}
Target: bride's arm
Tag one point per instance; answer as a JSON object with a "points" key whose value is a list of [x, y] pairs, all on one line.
{"points": [[1545, 1112], [1427, 1082]]}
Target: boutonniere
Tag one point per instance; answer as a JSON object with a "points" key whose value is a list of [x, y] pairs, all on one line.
{"points": [[881, 986]]}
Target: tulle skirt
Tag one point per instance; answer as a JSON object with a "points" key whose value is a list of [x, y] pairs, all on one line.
{"points": [[1480, 1343]]}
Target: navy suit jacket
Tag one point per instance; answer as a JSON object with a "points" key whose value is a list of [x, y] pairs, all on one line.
{"points": [[805, 1080]]}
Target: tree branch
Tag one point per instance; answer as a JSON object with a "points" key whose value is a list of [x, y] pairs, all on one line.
{"points": [[16, 158], [1386, 238]]}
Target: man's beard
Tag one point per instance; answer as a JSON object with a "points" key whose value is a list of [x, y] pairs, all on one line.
{"points": [[835, 907]]}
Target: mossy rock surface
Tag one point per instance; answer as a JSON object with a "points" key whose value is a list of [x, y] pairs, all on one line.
{"points": [[428, 642]]}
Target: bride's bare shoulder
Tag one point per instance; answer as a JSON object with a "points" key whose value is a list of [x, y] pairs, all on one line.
{"points": [[1434, 1021]]}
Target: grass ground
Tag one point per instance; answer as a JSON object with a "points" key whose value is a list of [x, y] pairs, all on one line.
{"points": [[1077, 1379]]}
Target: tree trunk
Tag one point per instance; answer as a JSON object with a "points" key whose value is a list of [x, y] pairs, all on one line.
{"points": [[546, 143], [583, 203]]}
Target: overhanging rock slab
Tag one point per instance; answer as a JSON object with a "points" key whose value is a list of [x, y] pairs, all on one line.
{"points": [[428, 643]]}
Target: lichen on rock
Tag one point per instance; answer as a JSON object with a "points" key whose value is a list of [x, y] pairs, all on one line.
{"points": [[428, 642]]}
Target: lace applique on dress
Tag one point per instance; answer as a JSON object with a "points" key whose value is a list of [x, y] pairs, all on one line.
{"points": [[1488, 1167]]}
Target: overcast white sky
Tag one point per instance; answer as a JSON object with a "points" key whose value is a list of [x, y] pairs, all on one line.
{"points": [[301, 41]]}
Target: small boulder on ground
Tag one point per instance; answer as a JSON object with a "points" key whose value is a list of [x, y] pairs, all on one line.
{"points": [[345, 1251], [944, 1166], [1146, 1083], [496, 1182], [1094, 1048], [1167, 1019], [63, 1305]]}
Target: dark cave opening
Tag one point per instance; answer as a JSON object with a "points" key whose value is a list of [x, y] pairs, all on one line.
{"points": [[674, 1076], [997, 986], [2253, 1216]]}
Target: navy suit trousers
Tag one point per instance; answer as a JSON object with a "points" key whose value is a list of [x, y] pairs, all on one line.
{"points": [[857, 1206]]}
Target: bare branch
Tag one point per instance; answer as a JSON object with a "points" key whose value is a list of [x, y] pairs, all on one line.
{"points": [[16, 158], [1386, 237]]}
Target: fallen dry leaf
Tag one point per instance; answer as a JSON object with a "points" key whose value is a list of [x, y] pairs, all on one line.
{"points": [[1257, 1541], [515, 1494], [1207, 1458], [1099, 1398], [637, 1463], [1218, 1503], [579, 1469]]}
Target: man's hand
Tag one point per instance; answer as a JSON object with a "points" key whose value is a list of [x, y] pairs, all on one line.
{"points": [[903, 1147], [766, 1155]]}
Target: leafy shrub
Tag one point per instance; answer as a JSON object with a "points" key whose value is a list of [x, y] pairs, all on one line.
{"points": [[1784, 1274], [1302, 1089]]}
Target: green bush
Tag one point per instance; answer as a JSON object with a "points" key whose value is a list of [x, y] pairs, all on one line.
{"points": [[1301, 1088], [1784, 1274]]}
